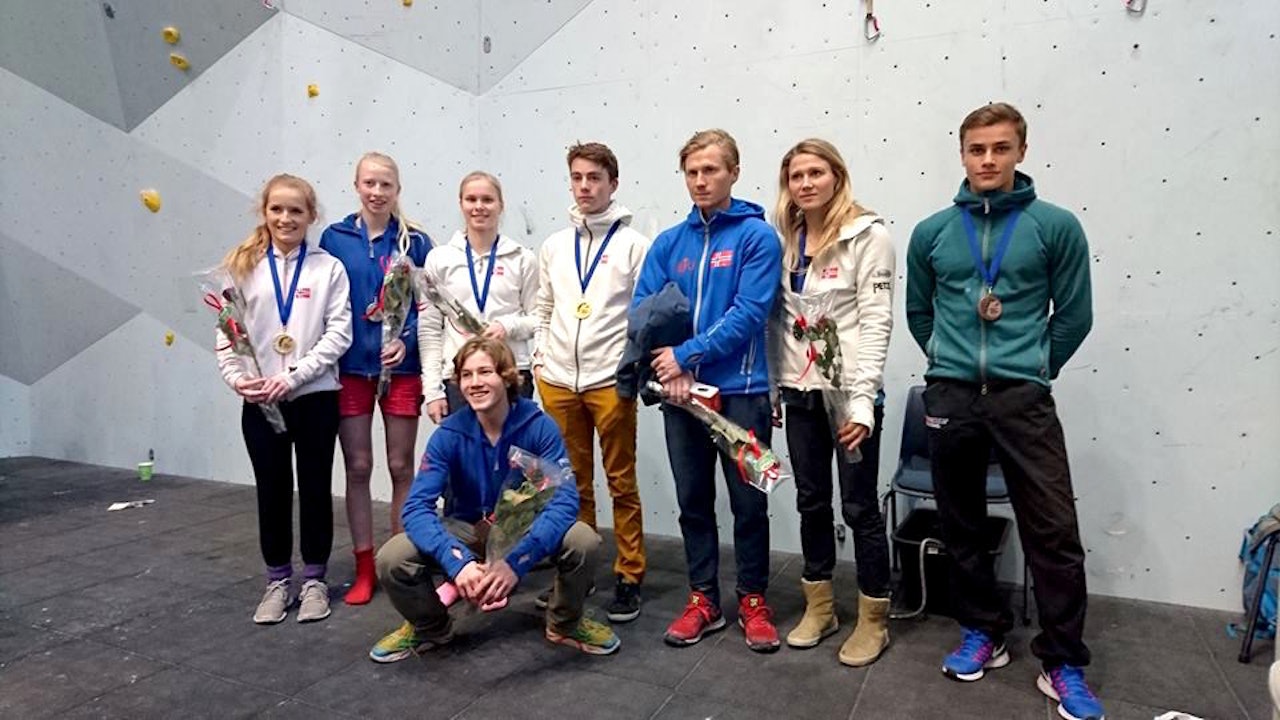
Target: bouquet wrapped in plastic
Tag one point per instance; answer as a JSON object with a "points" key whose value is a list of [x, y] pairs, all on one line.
{"points": [[758, 466], [223, 297], [815, 326], [392, 307], [431, 290], [530, 485]]}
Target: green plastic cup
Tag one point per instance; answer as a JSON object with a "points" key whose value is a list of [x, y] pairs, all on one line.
{"points": [[145, 469]]}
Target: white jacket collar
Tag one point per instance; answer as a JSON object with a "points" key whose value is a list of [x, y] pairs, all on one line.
{"points": [[600, 222], [506, 246]]}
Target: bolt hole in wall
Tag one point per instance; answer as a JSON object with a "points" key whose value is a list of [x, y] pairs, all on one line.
{"points": [[507, 86]]}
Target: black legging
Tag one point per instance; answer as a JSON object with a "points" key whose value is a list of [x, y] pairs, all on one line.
{"points": [[312, 422]]}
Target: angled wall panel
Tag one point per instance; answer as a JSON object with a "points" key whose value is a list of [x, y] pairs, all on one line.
{"points": [[510, 31], [249, 117], [15, 418], [48, 314], [63, 47], [128, 393], [144, 74], [440, 39], [106, 235]]}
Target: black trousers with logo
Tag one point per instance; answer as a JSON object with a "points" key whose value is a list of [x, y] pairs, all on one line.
{"points": [[1018, 420]]}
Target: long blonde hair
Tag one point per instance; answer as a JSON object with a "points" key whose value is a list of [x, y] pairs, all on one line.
{"points": [[403, 224], [789, 218], [242, 258]]}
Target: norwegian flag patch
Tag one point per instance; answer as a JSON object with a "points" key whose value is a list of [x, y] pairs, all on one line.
{"points": [[722, 258], [303, 293], [499, 270], [830, 272]]}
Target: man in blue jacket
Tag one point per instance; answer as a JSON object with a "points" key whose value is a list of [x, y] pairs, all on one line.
{"points": [[467, 455], [726, 259], [998, 297]]}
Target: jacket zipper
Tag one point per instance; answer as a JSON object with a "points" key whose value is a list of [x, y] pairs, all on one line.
{"points": [[702, 264], [982, 323]]}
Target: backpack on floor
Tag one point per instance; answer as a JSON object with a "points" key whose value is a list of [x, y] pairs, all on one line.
{"points": [[1253, 552]]}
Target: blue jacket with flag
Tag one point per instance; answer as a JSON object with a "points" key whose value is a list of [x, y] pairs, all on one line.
{"points": [[461, 460], [344, 241], [729, 266]]}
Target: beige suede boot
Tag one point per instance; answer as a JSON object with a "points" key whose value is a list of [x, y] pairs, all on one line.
{"points": [[819, 618], [871, 636]]}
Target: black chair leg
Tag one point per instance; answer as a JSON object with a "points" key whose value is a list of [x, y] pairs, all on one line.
{"points": [[1255, 607]]}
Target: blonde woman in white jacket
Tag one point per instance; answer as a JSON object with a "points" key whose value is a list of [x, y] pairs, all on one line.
{"points": [[495, 277], [588, 274], [833, 245], [298, 320]]}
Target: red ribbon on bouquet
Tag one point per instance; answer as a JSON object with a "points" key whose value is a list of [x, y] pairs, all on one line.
{"points": [[214, 302], [381, 302], [753, 447]]}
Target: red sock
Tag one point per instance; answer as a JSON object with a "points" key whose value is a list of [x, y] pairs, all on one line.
{"points": [[361, 591]]}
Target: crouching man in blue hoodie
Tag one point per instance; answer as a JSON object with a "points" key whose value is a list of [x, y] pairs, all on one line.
{"points": [[467, 456], [727, 260]]}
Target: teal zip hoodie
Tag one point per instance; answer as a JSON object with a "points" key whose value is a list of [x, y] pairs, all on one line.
{"points": [[1043, 285]]}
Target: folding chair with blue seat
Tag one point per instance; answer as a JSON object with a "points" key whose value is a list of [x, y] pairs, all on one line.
{"points": [[914, 476]]}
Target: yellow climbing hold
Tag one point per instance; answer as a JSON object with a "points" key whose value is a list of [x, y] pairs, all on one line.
{"points": [[171, 35], [168, 337], [407, 3], [313, 90], [151, 199], [178, 61]]}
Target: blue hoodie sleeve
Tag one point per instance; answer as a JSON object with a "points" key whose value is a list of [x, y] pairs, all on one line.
{"points": [[542, 438], [421, 521], [749, 310], [653, 273]]}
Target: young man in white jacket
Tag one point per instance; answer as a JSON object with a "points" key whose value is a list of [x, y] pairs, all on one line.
{"points": [[587, 274]]}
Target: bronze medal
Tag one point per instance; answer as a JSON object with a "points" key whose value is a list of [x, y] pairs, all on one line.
{"points": [[583, 310], [284, 343], [990, 307]]}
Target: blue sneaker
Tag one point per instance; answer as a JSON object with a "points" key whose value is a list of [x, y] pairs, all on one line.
{"points": [[1075, 700], [977, 654]]}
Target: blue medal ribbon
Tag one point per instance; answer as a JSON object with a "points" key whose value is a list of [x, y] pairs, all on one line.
{"points": [[798, 275], [286, 306], [577, 254], [991, 272], [481, 297]]}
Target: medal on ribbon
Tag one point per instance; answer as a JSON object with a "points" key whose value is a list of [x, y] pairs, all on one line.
{"points": [[583, 309], [989, 306], [481, 297], [283, 343]]}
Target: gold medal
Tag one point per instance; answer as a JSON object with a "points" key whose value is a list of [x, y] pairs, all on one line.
{"points": [[583, 310], [990, 307], [284, 343]]}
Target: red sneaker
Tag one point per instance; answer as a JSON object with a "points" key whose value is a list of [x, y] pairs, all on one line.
{"points": [[756, 620], [699, 618]]}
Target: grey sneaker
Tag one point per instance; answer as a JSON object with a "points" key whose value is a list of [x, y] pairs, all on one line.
{"points": [[275, 602], [313, 601]]}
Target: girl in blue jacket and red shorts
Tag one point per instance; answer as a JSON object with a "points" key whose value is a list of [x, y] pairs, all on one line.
{"points": [[365, 242]]}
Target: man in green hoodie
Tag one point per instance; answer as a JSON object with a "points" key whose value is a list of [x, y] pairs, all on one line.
{"points": [[998, 297]]}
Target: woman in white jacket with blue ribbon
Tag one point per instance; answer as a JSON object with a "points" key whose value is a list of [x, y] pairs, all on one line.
{"points": [[838, 251], [492, 276]]}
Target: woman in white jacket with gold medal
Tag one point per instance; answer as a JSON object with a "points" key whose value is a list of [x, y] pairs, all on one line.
{"points": [[833, 246], [298, 320], [493, 277]]}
